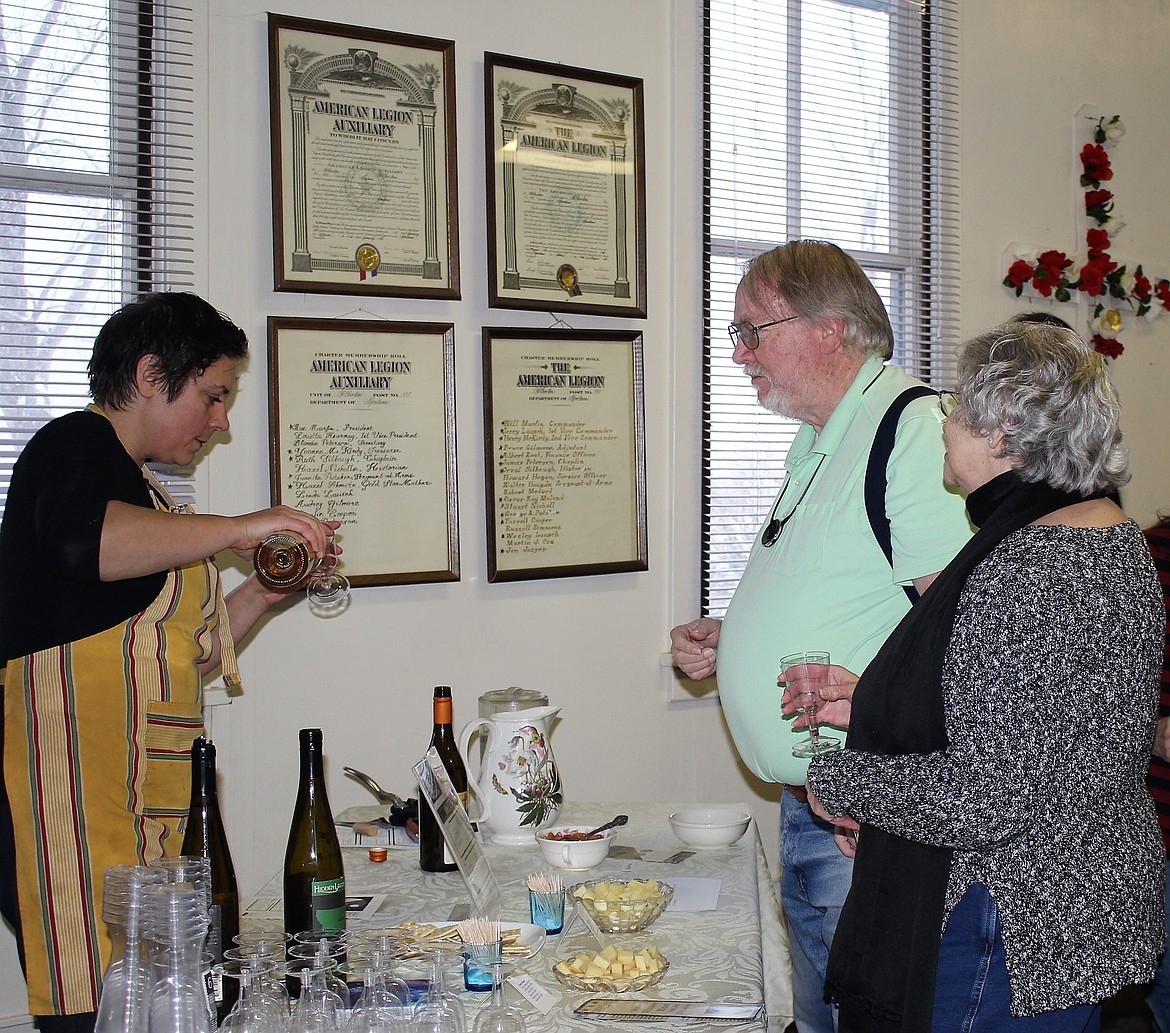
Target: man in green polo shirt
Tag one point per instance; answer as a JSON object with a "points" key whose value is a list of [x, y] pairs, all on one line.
{"points": [[813, 335]]}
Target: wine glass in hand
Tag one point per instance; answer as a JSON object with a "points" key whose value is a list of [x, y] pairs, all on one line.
{"points": [[283, 561], [805, 674]]}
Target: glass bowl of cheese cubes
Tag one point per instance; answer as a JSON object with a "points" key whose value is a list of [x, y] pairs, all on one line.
{"points": [[622, 906], [615, 969]]}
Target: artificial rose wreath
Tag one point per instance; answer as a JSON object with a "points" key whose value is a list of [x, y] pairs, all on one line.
{"points": [[1050, 274]]}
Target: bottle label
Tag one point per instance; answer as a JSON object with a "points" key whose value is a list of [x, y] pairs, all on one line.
{"points": [[215, 949], [448, 857], [328, 904]]}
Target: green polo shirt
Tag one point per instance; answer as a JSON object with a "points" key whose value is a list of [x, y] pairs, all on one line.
{"points": [[826, 584]]}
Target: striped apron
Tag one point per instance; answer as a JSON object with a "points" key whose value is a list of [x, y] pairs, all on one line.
{"points": [[98, 735]]}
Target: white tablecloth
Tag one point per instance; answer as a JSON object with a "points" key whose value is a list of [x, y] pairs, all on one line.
{"points": [[734, 953]]}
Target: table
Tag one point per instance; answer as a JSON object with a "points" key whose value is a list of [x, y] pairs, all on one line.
{"points": [[730, 954]]}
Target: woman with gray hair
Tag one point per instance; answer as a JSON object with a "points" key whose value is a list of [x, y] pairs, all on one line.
{"points": [[1008, 862]]}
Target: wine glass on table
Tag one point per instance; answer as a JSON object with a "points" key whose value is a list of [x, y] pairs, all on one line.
{"points": [[264, 952], [498, 1017], [805, 674], [384, 1003], [439, 1010], [318, 1007], [255, 1010]]}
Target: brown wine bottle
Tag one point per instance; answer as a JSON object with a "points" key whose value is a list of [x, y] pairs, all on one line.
{"points": [[314, 879], [205, 837], [433, 854]]}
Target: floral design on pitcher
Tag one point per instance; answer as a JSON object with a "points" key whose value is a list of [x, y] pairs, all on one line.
{"points": [[534, 781]]}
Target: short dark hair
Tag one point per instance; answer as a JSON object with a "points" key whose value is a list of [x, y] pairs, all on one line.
{"points": [[184, 334]]}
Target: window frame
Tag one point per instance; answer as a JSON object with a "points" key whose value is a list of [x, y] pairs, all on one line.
{"points": [[130, 200], [920, 265]]}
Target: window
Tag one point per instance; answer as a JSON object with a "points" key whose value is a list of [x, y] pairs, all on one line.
{"points": [[830, 119], [95, 189]]}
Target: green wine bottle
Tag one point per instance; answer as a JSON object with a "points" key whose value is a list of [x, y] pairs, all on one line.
{"points": [[314, 879], [205, 837], [433, 852]]}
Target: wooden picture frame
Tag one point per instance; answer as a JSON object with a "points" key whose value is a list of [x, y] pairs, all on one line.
{"points": [[364, 189], [565, 453], [566, 188], [362, 430]]}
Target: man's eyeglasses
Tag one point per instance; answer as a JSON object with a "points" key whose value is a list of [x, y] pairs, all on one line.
{"points": [[749, 333], [948, 402]]}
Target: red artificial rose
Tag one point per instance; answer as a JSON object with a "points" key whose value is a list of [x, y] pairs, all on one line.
{"points": [[1019, 274], [1049, 272], [1095, 162], [1110, 347], [1093, 273], [1163, 292], [1141, 286], [1098, 242], [1055, 259], [1097, 199]]}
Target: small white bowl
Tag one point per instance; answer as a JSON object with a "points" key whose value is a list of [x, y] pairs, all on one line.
{"points": [[574, 855], [709, 826]]}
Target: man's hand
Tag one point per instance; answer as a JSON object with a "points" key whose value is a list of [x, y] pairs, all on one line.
{"points": [[693, 647]]}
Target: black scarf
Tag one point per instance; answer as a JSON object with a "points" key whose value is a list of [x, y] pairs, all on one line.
{"points": [[884, 957]]}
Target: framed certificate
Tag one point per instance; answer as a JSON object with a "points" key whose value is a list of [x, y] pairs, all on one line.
{"points": [[566, 188], [565, 453], [362, 430], [364, 197]]}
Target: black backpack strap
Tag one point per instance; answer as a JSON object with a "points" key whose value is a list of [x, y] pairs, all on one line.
{"points": [[875, 474]]}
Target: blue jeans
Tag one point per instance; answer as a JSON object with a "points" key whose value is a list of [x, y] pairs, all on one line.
{"points": [[1158, 996], [972, 993], [814, 881]]}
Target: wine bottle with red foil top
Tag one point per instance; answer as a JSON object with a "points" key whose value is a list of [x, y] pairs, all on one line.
{"points": [[205, 837], [433, 853], [314, 879]]}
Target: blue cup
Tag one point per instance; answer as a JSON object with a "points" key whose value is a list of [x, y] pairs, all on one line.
{"points": [[547, 909], [478, 962]]}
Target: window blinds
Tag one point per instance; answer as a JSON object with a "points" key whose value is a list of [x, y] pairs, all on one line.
{"points": [[96, 186], [830, 119]]}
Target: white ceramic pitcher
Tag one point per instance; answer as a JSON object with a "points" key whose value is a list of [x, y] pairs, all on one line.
{"points": [[518, 786]]}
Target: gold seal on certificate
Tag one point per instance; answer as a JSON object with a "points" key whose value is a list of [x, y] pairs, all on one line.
{"points": [[368, 259], [567, 278]]}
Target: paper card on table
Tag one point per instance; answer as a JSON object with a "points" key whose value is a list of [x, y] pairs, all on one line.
{"points": [[622, 852], [542, 999], [691, 894], [355, 907], [579, 913], [610, 1008], [436, 789], [364, 906]]}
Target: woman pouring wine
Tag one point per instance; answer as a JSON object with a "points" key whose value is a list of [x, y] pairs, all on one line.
{"points": [[111, 611]]}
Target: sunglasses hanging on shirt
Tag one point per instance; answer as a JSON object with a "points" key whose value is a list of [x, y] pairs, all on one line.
{"points": [[776, 524]]}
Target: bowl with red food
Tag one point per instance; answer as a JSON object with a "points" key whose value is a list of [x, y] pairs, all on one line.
{"points": [[574, 848]]}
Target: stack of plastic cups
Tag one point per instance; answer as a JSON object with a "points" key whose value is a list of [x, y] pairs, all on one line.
{"points": [[127, 981], [196, 871], [175, 925]]}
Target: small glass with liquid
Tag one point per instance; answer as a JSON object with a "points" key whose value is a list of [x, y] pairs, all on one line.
{"points": [[283, 560]]}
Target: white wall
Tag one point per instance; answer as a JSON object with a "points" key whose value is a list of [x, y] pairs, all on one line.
{"points": [[1027, 68], [593, 644]]}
